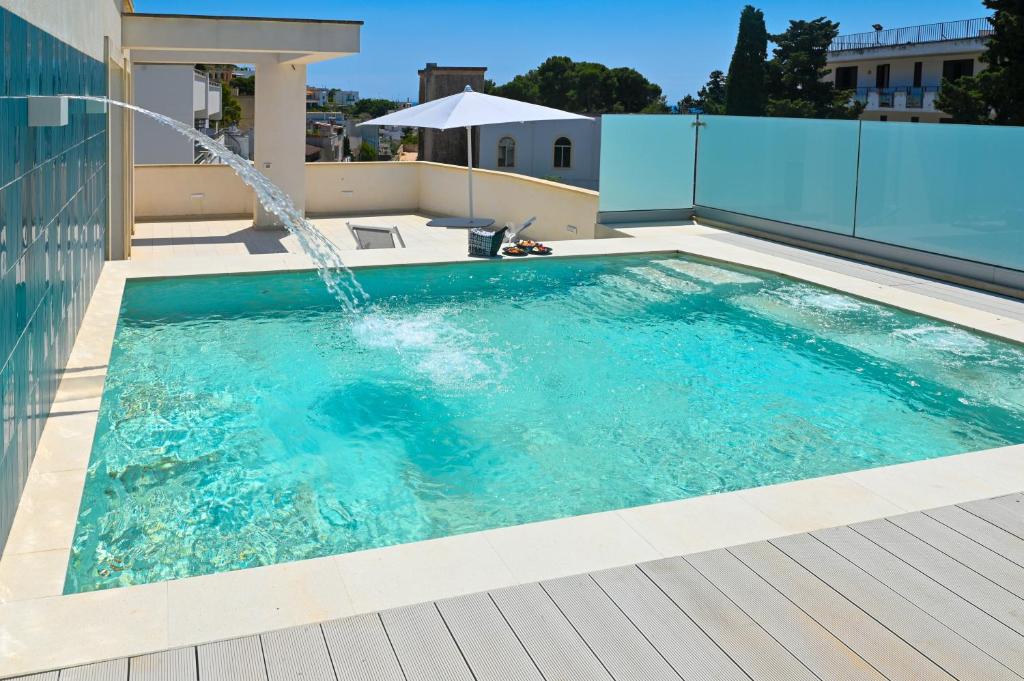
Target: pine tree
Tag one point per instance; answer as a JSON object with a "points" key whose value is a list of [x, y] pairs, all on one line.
{"points": [[745, 95], [996, 95], [712, 95], [794, 75]]}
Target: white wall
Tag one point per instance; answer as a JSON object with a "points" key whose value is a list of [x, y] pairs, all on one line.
{"points": [[166, 89], [563, 212], [164, 192], [535, 154], [901, 70]]}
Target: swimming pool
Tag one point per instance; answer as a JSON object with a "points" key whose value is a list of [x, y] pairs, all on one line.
{"points": [[247, 421]]}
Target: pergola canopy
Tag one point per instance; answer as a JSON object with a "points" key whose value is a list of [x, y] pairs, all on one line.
{"points": [[190, 39]]}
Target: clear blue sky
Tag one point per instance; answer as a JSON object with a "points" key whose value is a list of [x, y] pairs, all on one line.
{"points": [[675, 43]]}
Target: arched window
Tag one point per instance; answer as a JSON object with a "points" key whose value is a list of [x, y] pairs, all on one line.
{"points": [[563, 152], [506, 152]]}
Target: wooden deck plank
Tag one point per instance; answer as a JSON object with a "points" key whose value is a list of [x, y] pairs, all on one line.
{"points": [[553, 644], [178, 664], [423, 644], [958, 578], [297, 653], [239, 659], [822, 653], [112, 670], [990, 536], [930, 637], [685, 645], [360, 649], [749, 645], [882, 649], [625, 652], [486, 640], [995, 567], [974, 624], [1004, 512]]}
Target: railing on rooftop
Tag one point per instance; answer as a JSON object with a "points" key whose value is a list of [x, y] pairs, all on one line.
{"points": [[940, 189], [909, 35]]}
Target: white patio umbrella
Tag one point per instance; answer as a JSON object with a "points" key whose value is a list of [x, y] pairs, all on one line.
{"points": [[466, 109]]}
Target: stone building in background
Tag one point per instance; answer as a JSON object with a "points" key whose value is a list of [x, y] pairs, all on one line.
{"points": [[448, 146]]}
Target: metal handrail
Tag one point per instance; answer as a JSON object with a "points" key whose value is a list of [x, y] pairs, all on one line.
{"points": [[900, 88], [908, 35]]}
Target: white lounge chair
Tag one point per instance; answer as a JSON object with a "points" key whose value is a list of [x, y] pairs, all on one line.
{"points": [[368, 236], [512, 235]]}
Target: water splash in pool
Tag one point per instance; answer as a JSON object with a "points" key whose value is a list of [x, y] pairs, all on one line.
{"points": [[339, 279]]}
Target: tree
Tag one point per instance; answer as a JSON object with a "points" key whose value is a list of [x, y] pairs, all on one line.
{"points": [[592, 87], [372, 107], [687, 103], [710, 98], [585, 87], [633, 92], [996, 95], [745, 95], [658, 106], [712, 95], [794, 75], [230, 109], [555, 80], [245, 85], [367, 152], [346, 147]]}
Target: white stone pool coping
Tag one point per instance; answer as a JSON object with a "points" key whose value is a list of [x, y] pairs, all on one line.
{"points": [[41, 629]]}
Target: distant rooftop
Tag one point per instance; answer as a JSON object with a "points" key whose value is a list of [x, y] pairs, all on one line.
{"points": [[963, 29]]}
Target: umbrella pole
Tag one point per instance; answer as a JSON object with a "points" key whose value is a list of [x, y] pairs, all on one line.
{"points": [[469, 166]]}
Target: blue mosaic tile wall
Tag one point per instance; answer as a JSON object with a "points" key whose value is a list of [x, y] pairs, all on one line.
{"points": [[53, 196]]}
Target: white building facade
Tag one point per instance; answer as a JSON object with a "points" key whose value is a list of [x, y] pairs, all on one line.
{"points": [[898, 72], [178, 91], [564, 151]]}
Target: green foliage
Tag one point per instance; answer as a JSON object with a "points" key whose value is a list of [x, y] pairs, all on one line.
{"points": [[585, 87], [710, 98], [231, 110], [245, 85], [745, 95], [372, 107], [964, 101], [410, 136], [658, 106], [794, 74], [367, 152], [996, 95], [346, 147]]}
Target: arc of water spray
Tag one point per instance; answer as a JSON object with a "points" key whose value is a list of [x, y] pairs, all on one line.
{"points": [[338, 278]]}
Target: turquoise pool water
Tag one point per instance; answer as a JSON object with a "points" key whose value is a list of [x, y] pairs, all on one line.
{"points": [[247, 421]]}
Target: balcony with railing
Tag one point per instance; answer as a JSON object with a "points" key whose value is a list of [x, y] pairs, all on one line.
{"points": [[906, 98], [964, 29]]}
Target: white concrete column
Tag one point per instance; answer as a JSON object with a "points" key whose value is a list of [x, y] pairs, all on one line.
{"points": [[280, 125]]}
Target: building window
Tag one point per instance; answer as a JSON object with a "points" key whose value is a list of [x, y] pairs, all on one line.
{"points": [[506, 152], [563, 152], [918, 73], [846, 78], [883, 118], [954, 69], [915, 119], [882, 76]]}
